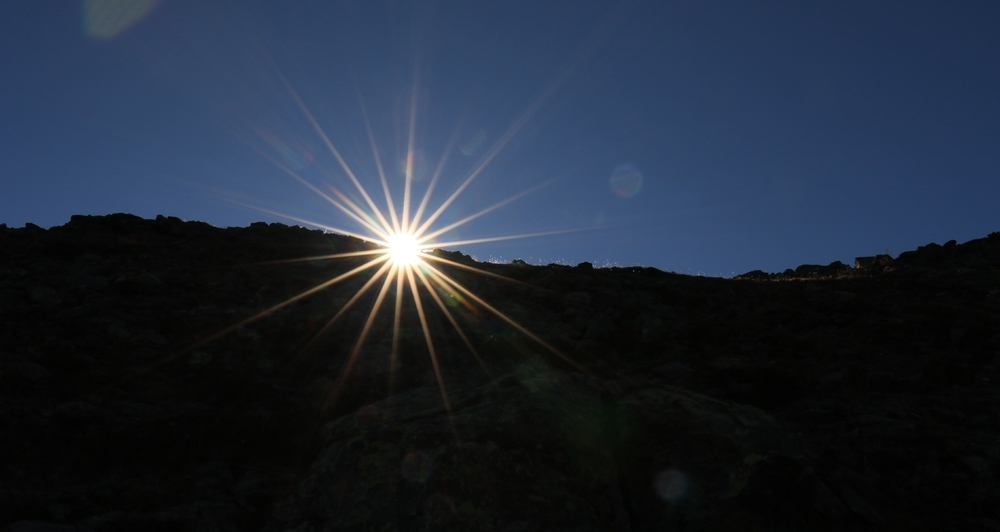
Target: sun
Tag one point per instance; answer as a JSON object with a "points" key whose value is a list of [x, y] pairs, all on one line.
{"points": [[403, 249], [399, 269]]}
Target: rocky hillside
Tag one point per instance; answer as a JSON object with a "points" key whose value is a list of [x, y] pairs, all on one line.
{"points": [[821, 398]]}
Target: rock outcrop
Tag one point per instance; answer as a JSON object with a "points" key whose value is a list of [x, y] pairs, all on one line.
{"points": [[150, 379]]}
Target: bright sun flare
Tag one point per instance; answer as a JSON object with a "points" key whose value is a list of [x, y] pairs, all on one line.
{"points": [[400, 262], [403, 249]]}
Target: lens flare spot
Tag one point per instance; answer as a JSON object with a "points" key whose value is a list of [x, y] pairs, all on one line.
{"points": [[626, 180], [414, 166], [292, 153], [671, 485], [417, 467], [105, 19], [404, 249], [474, 143]]}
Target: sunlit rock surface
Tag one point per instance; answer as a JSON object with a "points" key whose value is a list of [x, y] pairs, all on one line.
{"points": [[820, 398]]}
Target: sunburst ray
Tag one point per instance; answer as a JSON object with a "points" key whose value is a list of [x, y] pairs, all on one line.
{"points": [[270, 310], [352, 360], [510, 321], [333, 150], [411, 138], [427, 338], [480, 271], [424, 238], [312, 223], [349, 304], [397, 316], [401, 263], [451, 319], [434, 179], [378, 165], [505, 237], [345, 255]]}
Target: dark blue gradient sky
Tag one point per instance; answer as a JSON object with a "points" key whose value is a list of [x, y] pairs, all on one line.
{"points": [[767, 135]]}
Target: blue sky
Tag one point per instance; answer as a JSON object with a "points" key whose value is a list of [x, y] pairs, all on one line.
{"points": [[767, 135]]}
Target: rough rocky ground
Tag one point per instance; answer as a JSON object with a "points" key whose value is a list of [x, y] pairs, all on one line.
{"points": [[822, 398]]}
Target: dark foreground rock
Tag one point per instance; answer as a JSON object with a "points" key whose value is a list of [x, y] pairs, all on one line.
{"points": [[147, 382]]}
